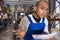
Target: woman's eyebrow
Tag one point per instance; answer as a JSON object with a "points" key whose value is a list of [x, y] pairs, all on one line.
{"points": [[42, 7]]}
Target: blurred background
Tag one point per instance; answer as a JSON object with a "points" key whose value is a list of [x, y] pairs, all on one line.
{"points": [[12, 11]]}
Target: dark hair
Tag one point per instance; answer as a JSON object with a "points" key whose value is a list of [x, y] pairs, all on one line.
{"points": [[38, 2]]}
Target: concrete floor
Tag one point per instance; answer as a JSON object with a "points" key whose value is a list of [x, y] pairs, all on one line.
{"points": [[7, 35]]}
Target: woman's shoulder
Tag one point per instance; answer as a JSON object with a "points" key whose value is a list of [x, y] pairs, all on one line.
{"points": [[25, 19], [46, 19]]}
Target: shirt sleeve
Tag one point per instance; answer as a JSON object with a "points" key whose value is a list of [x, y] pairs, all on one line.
{"points": [[24, 23], [46, 26]]}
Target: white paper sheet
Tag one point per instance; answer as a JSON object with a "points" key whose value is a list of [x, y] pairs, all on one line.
{"points": [[44, 36]]}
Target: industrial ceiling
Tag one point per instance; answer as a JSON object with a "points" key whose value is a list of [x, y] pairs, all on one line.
{"points": [[20, 2]]}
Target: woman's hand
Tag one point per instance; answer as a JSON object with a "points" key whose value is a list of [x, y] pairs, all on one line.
{"points": [[21, 32], [50, 39]]}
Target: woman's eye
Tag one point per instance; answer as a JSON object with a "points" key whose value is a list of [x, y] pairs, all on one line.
{"points": [[42, 8]]}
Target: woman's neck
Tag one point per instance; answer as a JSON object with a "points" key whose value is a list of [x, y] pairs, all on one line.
{"points": [[35, 16]]}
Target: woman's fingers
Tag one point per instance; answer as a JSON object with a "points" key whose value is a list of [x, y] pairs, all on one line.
{"points": [[50, 39], [21, 32]]}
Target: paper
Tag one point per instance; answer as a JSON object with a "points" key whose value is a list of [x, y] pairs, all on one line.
{"points": [[44, 36]]}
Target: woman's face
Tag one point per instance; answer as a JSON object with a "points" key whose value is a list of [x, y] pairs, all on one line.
{"points": [[41, 9]]}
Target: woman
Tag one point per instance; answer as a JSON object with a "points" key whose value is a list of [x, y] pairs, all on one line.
{"points": [[35, 23]]}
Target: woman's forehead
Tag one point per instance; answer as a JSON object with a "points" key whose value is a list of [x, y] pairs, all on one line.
{"points": [[43, 4]]}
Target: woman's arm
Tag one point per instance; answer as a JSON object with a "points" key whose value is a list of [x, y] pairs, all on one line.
{"points": [[23, 26]]}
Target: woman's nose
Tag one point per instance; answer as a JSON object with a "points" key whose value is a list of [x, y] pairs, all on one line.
{"points": [[44, 12]]}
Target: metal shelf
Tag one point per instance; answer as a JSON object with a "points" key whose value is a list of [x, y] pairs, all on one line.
{"points": [[55, 19]]}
